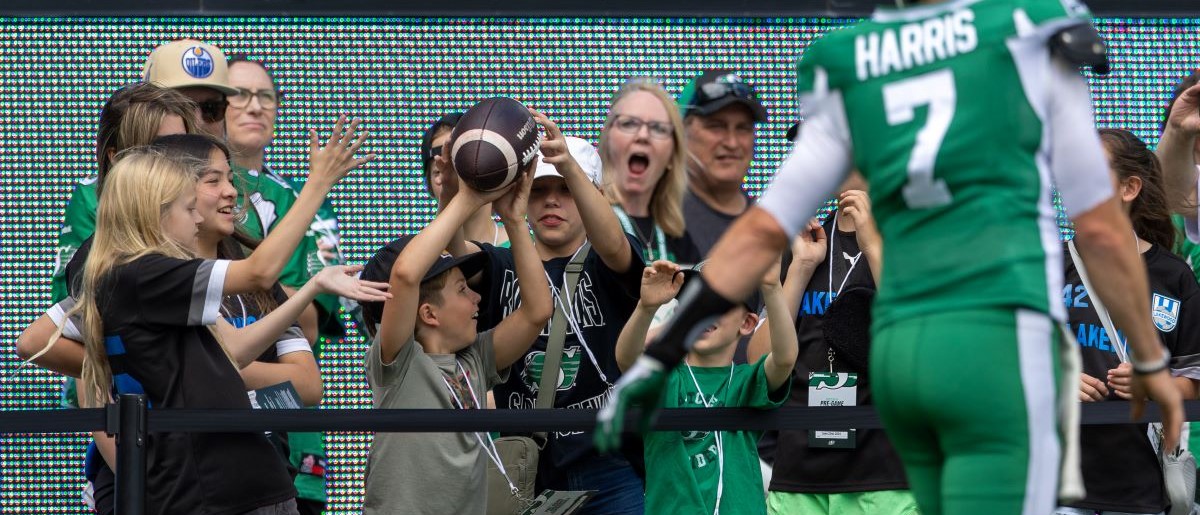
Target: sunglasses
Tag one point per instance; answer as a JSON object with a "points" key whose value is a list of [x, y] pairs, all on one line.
{"points": [[213, 111], [724, 86]]}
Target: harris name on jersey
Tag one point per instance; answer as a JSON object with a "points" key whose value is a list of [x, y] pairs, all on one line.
{"points": [[915, 44]]}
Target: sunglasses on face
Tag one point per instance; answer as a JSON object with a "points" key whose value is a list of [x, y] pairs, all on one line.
{"points": [[633, 125], [267, 98], [212, 111]]}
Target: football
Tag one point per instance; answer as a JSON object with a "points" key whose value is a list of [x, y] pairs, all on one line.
{"points": [[495, 140]]}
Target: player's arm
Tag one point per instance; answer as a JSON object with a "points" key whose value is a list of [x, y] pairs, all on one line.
{"points": [[518, 331], [603, 228], [808, 252], [327, 166], [1102, 237], [1177, 151]]}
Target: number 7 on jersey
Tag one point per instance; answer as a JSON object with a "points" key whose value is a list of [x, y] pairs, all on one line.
{"points": [[900, 100]]}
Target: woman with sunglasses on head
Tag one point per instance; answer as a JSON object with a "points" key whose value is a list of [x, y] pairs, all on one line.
{"points": [[250, 126], [1121, 469], [149, 310], [643, 152], [133, 116]]}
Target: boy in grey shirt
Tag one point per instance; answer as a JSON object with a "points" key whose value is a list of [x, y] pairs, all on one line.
{"points": [[426, 354]]}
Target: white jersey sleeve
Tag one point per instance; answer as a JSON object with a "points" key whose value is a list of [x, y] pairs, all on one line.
{"points": [[819, 162], [1077, 161]]}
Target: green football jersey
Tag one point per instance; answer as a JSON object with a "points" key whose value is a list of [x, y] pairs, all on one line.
{"points": [[945, 109], [79, 222]]}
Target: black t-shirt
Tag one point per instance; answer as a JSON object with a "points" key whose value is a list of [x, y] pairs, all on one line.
{"points": [[705, 225], [682, 248], [872, 464], [603, 300], [154, 310], [1120, 469]]}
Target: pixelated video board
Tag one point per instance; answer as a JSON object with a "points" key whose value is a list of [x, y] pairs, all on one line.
{"points": [[399, 74]]}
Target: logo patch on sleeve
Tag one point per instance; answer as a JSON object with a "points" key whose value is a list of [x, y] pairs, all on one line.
{"points": [[1165, 312]]}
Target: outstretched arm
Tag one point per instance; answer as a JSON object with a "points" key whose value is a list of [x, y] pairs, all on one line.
{"points": [[249, 342], [327, 166], [603, 228], [1177, 152], [808, 252], [519, 330], [660, 283], [780, 321]]}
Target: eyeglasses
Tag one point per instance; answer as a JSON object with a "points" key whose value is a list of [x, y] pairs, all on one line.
{"points": [[267, 98], [723, 86], [212, 111], [633, 125]]}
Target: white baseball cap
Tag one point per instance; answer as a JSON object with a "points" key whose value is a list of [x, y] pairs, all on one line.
{"points": [[583, 152], [186, 63]]}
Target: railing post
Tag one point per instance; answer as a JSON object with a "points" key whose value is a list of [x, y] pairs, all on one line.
{"points": [[131, 454]]}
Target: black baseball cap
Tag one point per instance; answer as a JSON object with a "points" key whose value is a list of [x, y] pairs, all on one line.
{"points": [[753, 303], [427, 151], [379, 269], [713, 90]]}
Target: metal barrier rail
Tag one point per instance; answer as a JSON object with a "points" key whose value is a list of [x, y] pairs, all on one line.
{"points": [[130, 421]]}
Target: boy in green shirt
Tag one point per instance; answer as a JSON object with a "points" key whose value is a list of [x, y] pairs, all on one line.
{"points": [[711, 471]]}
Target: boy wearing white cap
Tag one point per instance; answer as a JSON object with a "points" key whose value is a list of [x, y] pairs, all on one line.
{"points": [[566, 210]]}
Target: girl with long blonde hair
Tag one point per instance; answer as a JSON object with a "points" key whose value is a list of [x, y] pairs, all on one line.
{"points": [[148, 313]]}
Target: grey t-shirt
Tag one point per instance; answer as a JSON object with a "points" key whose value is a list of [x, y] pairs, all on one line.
{"points": [[429, 473], [705, 225]]}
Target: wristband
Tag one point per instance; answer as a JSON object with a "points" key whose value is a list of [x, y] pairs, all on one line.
{"points": [[1152, 367], [699, 307]]}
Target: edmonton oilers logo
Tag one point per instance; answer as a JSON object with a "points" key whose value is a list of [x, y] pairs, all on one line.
{"points": [[197, 62]]}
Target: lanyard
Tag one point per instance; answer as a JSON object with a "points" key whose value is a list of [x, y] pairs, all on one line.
{"points": [[717, 434], [569, 312], [853, 261], [650, 254], [489, 447]]}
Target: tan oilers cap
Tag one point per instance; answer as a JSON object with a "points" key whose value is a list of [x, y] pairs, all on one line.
{"points": [[186, 63]]}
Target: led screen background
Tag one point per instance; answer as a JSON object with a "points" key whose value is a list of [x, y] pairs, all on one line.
{"points": [[399, 75]]}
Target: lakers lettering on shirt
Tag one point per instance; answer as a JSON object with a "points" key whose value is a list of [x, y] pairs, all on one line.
{"points": [[914, 44]]}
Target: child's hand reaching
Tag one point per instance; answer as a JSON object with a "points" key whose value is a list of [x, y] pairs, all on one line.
{"points": [[661, 282], [513, 205], [343, 281]]}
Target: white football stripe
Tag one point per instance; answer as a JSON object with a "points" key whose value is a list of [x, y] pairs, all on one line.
{"points": [[496, 140]]}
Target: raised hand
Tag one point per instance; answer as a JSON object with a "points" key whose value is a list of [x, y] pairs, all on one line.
{"points": [[554, 146], [330, 163], [342, 280], [856, 204], [1185, 112], [810, 247], [513, 205], [661, 282]]}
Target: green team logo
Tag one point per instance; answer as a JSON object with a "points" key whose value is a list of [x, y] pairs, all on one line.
{"points": [[534, 361], [827, 381]]}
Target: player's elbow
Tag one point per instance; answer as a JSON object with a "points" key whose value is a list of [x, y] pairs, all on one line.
{"points": [[1103, 229]]}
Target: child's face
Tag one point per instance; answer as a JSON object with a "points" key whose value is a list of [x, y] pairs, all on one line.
{"points": [[552, 212], [181, 221], [216, 196], [458, 312], [728, 329]]}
